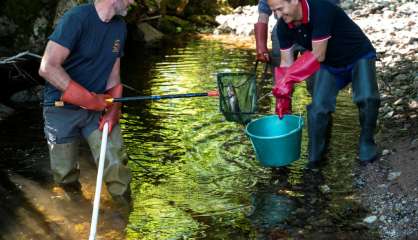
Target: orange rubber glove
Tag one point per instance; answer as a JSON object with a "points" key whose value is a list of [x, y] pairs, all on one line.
{"points": [[112, 114], [78, 95]]}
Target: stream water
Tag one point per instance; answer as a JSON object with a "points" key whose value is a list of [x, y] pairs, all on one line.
{"points": [[195, 174]]}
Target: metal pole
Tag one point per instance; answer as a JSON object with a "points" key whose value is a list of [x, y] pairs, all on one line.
{"points": [[96, 204], [142, 98], [158, 97]]}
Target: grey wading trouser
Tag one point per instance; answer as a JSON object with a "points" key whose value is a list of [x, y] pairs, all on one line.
{"points": [[117, 176], [323, 89]]}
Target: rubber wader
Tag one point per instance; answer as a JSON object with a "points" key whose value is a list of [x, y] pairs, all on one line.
{"points": [[323, 88], [116, 174], [366, 96], [64, 162]]}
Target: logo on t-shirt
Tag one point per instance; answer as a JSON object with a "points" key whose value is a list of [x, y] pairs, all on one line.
{"points": [[116, 46]]}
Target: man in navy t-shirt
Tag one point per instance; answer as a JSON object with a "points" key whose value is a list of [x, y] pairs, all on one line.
{"points": [[338, 52], [81, 66]]}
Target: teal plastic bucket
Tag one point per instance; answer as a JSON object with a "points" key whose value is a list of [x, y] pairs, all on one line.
{"points": [[276, 141]]}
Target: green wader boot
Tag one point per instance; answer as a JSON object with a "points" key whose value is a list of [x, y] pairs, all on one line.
{"points": [[366, 96], [64, 162], [323, 89], [117, 175]]}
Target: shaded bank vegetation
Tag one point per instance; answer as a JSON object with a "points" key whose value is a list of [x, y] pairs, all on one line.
{"points": [[26, 24]]}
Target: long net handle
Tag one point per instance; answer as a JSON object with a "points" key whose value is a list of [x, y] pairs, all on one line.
{"points": [[99, 180]]}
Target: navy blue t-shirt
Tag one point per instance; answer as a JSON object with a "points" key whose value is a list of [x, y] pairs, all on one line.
{"points": [[94, 47], [323, 20]]}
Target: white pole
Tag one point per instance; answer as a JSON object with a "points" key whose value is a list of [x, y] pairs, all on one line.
{"points": [[96, 204]]}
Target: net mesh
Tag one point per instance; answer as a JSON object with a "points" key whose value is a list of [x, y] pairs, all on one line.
{"points": [[237, 96]]}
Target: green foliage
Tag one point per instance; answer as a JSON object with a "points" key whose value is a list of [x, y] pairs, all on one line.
{"points": [[204, 7], [203, 20], [152, 6], [172, 24], [23, 13]]}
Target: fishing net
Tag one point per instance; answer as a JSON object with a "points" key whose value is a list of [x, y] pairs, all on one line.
{"points": [[238, 95]]}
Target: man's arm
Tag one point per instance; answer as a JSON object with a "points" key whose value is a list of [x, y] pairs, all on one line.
{"points": [[114, 78], [263, 17], [114, 89], [51, 66], [286, 57], [261, 31], [51, 70], [319, 49]]}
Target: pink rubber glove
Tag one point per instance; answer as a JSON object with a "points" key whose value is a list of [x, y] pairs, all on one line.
{"points": [[283, 102], [301, 69], [260, 32]]}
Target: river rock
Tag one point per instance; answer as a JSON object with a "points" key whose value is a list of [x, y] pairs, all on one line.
{"points": [[150, 34], [370, 219], [5, 111], [393, 175], [385, 152]]}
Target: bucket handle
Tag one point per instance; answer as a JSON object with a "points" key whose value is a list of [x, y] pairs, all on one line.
{"points": [[300, 114]]}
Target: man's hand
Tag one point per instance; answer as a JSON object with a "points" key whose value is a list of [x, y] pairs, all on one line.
{"points": [[111, 116], [260, 32], [282, 91], [113, 113], [283, 106], [281, 87]]}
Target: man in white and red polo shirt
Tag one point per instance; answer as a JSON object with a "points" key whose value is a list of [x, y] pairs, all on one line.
{"points": [[338, 52]]}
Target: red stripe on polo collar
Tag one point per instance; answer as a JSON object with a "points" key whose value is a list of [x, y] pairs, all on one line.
{"points": [[305, 13]]}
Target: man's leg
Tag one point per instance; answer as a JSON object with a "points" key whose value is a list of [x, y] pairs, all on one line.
{"points": [[366, 96], [322, 86], [64, 164], [62, 137], [116, 174]]}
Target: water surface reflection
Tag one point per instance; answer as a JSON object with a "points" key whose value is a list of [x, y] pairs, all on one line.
{"points": [[195, 175]]}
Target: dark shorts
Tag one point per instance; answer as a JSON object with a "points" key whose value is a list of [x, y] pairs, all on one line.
{"points": [[67, 125]]}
